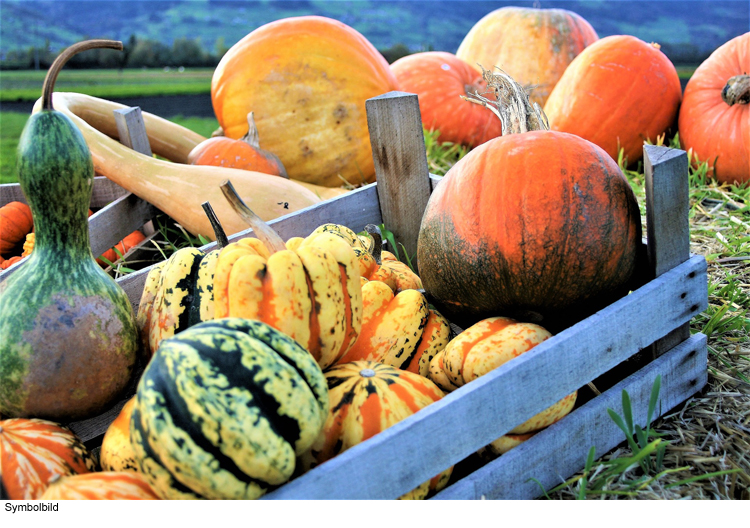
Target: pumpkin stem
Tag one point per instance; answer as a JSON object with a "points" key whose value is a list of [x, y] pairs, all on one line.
{"points": [[251, 138], [737, 90], [65, 55], [262, 230], [219, 132], [221, 236], [517, 114], [377, 247]]}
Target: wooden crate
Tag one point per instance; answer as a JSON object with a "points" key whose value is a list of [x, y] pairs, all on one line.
{"points": [[646, 331]]}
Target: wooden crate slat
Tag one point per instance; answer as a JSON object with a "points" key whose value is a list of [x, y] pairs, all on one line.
{"points": [[105, 190], [354, 209], [397, 460], [117, 220], [560, 450]]}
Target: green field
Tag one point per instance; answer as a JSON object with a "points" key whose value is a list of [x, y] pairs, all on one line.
{"points": [[27, 85]]}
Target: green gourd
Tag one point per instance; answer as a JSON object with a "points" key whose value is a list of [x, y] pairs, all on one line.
{"points": [[68, 338]]}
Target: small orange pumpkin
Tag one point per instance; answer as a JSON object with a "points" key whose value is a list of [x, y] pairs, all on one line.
{"points": [[5, 264], [130, 241], [15, 222], [244, 153], [105, 485]]}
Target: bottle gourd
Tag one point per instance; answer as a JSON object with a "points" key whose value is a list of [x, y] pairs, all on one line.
{"points": [[68, 339]]}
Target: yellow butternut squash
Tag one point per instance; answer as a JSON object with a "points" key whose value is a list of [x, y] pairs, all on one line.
{"points": [[173, 186]]}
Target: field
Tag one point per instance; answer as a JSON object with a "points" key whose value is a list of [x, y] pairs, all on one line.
{"points": [[26, 85]]}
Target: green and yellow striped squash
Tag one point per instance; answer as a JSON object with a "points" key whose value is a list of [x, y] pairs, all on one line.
{"points": [[177, 294], [224, 408], [365, 398]]}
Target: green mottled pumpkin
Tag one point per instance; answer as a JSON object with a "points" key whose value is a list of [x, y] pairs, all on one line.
{"points": [[224, 408], [68, 339]]}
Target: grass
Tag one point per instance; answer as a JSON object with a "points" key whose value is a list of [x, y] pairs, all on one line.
{"points": [[26, 85]]}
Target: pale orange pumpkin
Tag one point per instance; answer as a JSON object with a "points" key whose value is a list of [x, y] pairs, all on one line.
{"points": [[307, 79], [534, 46], [715, 114]]}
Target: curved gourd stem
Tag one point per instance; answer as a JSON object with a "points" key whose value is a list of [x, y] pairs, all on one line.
{"points": [[737, 90], [377, 248], [65, 55], [262, 230], [517, 114], [251, 138], [221, 236]]}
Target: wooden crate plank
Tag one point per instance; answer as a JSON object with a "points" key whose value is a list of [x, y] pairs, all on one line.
{"points": [[667, 223], [132, 130], [389, 464], [398, 148], [115, 221], [560, 450], [105, 190], [354, 209]]}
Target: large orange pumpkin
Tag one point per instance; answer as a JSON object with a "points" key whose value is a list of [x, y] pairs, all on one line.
{"points": [[715, 114], [33, 451], [307, 79], [540, 226], [618, 92], [440, 79], [534, 46]]}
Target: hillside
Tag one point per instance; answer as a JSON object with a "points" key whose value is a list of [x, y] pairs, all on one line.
{"points": [[684, 28]]}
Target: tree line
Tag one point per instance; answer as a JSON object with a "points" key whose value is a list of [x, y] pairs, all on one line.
{"points": [[141, 53]]}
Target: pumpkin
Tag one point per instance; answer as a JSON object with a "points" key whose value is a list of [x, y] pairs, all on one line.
{"points": [[534, 46], [7, 263], [618, 93], [365, 398], [540, 226], [224, 408], [401, 330], [15, 222], [440, 79], [116, 453], [486, 346], [32, 451], [307, 79], [126, 244], [311, 294], [244, 153], [106, 485], [714, 119]]}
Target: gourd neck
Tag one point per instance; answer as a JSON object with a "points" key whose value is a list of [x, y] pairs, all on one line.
{"points": [[737, 90]]}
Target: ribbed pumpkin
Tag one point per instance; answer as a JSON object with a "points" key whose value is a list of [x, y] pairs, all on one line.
{"points": [[440, 79], [540, 226], [401, 330], [117, 453], [365, 398], [122, 247], [484, 347], [224, 408], [244, 153], [534, 46], [307, 79], [15, 222], [312, 293], [106, 485], [32, 451], [715, 114], [617, 93]]}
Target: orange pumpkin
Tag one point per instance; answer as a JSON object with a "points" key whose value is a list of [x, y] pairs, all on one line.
{"points": [[15, 223], [715, 114], [106, 485], [32, 451], [440, 79], [618, 93], [244, 153], [130, 241], [541, 226], [5, 264], [307, 79], [534, 46]]}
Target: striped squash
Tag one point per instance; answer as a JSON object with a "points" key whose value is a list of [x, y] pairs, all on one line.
{"points": [[106, 485], [117, 453], [32, 451], [398, 330], [177, 294], [365, 398], [224, 408]]}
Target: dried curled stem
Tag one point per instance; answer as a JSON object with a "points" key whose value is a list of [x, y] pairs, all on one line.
{"points": [[517, 114], [737, 90]]}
